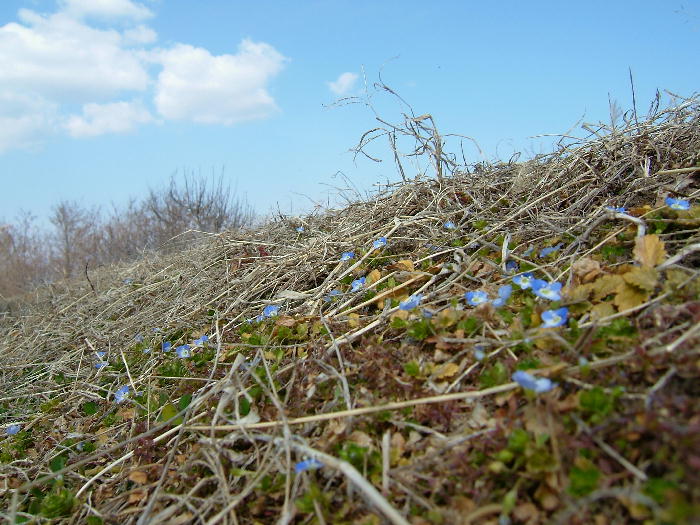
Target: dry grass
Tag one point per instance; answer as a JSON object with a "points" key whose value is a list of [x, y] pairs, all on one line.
{"points": [[410, 426]]}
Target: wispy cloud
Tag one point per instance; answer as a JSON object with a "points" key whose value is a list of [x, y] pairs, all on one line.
{"points": [[53, 62], [343, 84], [114, 117]]}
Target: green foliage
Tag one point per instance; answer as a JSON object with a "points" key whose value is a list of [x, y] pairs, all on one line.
{"points": [[618, 328], [57, 504], [94, 520], [420, 329], [583, 481], [469, 325], [313, 494], [658, 489], [528, 363], [57, 463], [412, 368], [597, 404], [518, 440], [173, 369], [169, 411], [361, 458], [495, 375], [90, 408]]}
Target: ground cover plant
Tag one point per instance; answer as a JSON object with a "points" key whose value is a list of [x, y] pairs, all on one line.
{"points": [[504, 343]]}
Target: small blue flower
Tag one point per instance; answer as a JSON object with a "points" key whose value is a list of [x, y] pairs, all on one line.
{"points": [[379, 243], [201, 340], [300, 229], [357, 284], [411, 303], [167, 346], [122, 394], [529, 250], [271, 310], [332, 294], [677, 204], [616, 209], [101, 364], [552, 318], [476, 298], [546, 251], [479, 354], [307, 464], [582, 361], [183, 351], [260, 318], [13, 429], [346, 256], [101, 354], [523, 280], [428, 314], [503, 295], [146, 350], [512, 266], [546, 290], [138, 338], [450, 225], [128, 280], [530, 382]]}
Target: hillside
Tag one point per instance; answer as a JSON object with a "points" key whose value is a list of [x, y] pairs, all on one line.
{"points": [[507, 343]]}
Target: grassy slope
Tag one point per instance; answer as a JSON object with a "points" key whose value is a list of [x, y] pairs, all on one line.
{"points": [[413, 413]]}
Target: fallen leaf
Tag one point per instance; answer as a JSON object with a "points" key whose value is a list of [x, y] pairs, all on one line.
{"points": [[137, 495], [405, 265], [447, 370], [606, 285], [601, 310], [644, 277], [372, 277], [629, 297], [585, 266], [285, 320], [649, 250], [138, 476], [353, 320]]}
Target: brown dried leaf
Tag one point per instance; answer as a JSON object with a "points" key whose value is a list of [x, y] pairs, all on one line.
{"points": [[405, 265], [606, 285], [629, 297], [138, 476], [649, 250], [447, 370], [601, 310], [644, 277], [585, 266], [137, 495], [373, 277]]}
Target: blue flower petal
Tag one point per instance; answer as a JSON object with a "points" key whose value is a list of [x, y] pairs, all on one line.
{"points": [[101, 364], [300, 229], [167, 346], [450, 225], [307, 464], [357, 284], [271, 310], [411, 303], [476, 298], [530, 382], [122, 394], [554, 318], [616, 209], [13, 429], [551, 291], [677, 204], [183, 351], [524, 280], [346, 256], [512, 266], [379, 243], [547, 251]]}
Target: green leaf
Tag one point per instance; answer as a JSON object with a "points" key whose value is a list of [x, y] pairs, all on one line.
{"points": [[412, 368], [184, 402], [90, 408], [58, 463], [169, 411], [583, 481]]}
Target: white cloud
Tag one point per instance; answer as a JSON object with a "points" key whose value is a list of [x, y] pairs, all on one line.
{"points": [[343, 84], [225, 89], [56, 62], [25, 120], [114, 117], [66, 60], [105, 9]]}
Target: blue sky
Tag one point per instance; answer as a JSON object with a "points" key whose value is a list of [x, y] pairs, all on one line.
{"points": [[100, 99]]}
